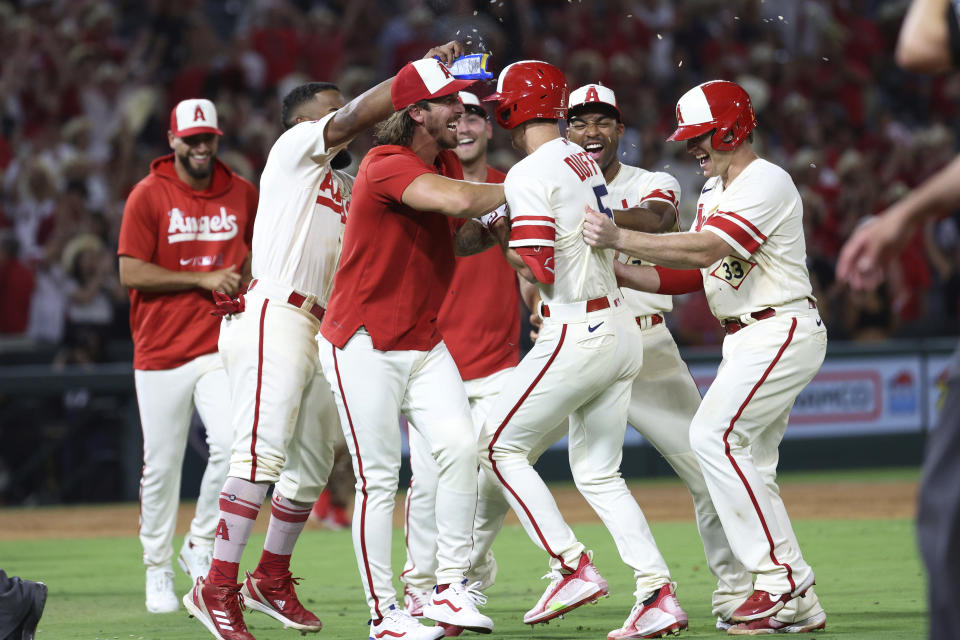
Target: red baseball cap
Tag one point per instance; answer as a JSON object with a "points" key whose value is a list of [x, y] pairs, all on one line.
{"points": [[192, 117], [424, 80]]}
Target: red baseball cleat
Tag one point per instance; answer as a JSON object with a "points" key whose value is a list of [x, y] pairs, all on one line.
{"points": [[766, 626], [219, 609], [762, 604], [276, 598]]}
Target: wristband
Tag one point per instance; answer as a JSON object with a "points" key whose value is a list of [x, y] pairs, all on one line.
{"points": [[679, 281]]}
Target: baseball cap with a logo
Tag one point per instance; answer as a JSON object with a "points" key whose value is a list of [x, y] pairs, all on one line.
{"points": [[424, 80], [471, 103], [192, 117], [590, 95]]}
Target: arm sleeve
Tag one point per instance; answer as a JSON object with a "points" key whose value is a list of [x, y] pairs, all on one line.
{"points": [[663, 187], [305, 140], [533, 228], [138, 228], [750, 216], [679, 281], [391, 174]]}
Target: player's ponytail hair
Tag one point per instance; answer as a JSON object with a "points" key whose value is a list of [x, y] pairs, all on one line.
{"points": [[398, 128]]}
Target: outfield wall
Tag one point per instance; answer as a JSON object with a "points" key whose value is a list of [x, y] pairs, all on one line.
{"points": [[73, 434]]}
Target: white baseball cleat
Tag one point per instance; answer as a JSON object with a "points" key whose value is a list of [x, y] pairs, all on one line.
{"points": [[654, 617], [397, 623], [568, 591], [457, 605], [195, 558], [414, 599], [160, 595]]}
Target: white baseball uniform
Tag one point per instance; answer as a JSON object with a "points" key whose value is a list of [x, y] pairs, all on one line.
{"points": [[284, 418], [176, 365], [582, 366], [387, 357], [665, 396], [775, 345]]}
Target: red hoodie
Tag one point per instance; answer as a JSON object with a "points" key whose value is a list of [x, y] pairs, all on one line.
{"points": [[178, 228]]}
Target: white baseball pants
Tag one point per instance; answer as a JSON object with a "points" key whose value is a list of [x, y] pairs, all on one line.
{"points": [[664, 401], [284, 418], [372, 388], [737, 431], [420, 522], [583, 369], [167, 399]]}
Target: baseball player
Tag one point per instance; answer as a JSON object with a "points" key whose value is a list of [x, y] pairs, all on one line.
{"points": [[746, 250], [284, 419], [583, 363], [480, 325], [185, 232], [665, 396], [387, 356]]}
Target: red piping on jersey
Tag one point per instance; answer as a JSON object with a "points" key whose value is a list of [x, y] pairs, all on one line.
{"points": [[363, 488], [749, 225], [743, 479], [496, 435], [256, 405]]}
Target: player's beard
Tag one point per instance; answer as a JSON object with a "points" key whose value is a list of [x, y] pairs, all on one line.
{"points": [[446, 137], [195, 172]]}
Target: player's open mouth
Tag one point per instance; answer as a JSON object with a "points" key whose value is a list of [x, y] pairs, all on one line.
{"points": [[594, 149], [702, 158], [466, 141], [200, 158]]}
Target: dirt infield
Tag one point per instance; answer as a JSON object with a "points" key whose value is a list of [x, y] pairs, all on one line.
{"points": [[660, 502]]}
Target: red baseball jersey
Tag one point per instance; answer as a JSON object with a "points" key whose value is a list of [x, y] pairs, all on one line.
{"points": [[480, 318], [178, 228], [396, 263]]}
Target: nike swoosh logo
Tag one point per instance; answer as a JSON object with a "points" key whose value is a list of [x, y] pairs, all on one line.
{"points": [[594, 327], [184, 263], [705, 190]]}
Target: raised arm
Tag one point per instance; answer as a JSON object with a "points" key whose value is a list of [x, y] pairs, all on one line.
{"points": [[374, 105]]}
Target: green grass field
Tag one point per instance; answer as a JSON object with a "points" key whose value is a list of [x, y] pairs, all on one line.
{"points": [[868, 571]]}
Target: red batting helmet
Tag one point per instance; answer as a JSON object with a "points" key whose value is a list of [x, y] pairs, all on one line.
{"points": [[719, 104], [529, 89]]}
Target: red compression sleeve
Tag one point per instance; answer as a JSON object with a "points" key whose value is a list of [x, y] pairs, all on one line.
{"points": [[677, 281]]}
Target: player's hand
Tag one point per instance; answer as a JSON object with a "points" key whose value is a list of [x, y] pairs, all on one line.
{"points": [[226, 280], [447, 53], [599, 230], [867, 251], [536, 323]]}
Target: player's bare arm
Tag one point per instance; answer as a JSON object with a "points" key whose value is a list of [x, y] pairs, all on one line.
{"points": [[872, 245], [472, 238], [456, 198], [148, 277], [924, 39], [687, 250], [641, 277], [650, 217], [374, 105]]}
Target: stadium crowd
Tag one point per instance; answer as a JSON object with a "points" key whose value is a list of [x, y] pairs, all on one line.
{"points": [[86, 89]]}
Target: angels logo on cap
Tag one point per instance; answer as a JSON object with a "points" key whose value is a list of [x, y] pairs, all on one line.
{"points": [[593, 94], [192, 117], [423, 80]]}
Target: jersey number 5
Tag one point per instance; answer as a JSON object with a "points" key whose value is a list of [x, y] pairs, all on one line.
{"points": [[600, 190]]}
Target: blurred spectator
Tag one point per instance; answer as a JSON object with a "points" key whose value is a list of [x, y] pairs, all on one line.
{"points": [[16, 287]]}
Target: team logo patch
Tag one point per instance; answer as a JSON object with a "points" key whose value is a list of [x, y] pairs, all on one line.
{"points": [[733, 271]]}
